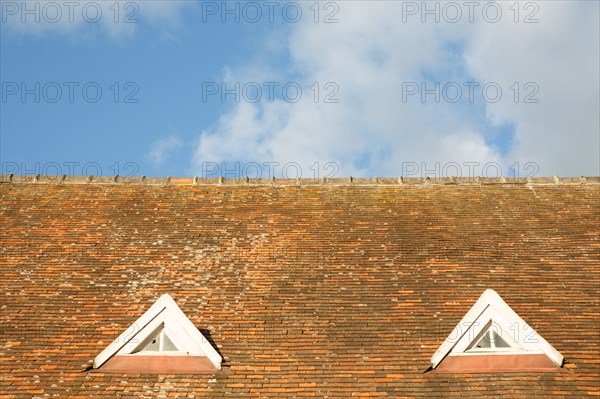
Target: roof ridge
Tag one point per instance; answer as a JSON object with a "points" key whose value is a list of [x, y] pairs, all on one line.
{"points": [[347, 181]]}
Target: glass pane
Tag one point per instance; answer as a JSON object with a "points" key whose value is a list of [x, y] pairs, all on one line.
{"points": [[490, 340], [160, 342], [499, 342], [154, 344], [168, 345]]}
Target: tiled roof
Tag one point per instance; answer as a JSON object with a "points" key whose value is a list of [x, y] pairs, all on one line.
{"points": [[337, 288]]}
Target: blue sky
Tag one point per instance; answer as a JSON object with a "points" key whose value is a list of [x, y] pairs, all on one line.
{"points": [[385, 89]]}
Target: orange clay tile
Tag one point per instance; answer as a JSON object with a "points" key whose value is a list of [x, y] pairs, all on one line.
{"points": [[332, 288]]}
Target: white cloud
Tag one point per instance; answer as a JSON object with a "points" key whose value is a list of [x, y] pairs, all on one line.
{"points": [[559, 56], [162, 149], [370, 53]]}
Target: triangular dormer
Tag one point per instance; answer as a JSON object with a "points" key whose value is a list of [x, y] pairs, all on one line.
{"points": [[164, 341], [491, 337]]}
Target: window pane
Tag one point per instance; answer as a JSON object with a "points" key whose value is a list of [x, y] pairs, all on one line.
{"points": [[154, 344], [491, 340], [485, 341], [160, 342], [168, 345], [500, 342]]}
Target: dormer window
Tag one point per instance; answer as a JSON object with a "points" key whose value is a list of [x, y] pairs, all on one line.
{"points": [[162, 341], [491, 337]]}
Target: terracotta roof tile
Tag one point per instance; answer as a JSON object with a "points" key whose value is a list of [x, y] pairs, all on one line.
{"points": [[332, 288]]}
